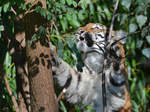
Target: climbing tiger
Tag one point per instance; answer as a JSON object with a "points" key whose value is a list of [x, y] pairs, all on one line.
{"points": [[86, 87]]}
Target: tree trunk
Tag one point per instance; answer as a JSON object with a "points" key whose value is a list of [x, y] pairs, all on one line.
{"points": [[16, 47], [42, 93]]}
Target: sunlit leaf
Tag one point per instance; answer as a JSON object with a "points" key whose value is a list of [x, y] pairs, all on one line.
{"points": [[141, 20], [146, 52], [133, 63], [7, 61], [123, 18], [69, 2], [6, 6], [126, 3], [139, 43], [132, 87], [132, 28], [62, 107], [148, 39], [1, 28], [83, 4], [107, 12]]}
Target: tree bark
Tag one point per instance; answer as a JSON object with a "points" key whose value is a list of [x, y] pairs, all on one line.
{"points": [[42, 95], [16, 47]]}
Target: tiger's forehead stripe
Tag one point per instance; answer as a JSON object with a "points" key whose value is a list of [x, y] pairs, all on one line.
{"points": [[89, 28]]}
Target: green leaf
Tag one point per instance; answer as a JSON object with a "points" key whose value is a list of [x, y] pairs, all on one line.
{"points": [[0, 35], [146, 52], [144, 32], [75, 23], [91, 8], [82, 15], [126, 3], [13, 70], [64, 24], [74, 4], [139, 43], [72, 18], [77, 108], [132, 28], [49, 16], [141, 20], [69, 2], [83, 4], [43, 12], [132, 87], [133, 45], [133, 63], [63, 1], [6, 6], [107, 12], [123, 18], [135, 106], [62, 107], [148, 39], [42, 31], [0, 10], [70, 42], [1, 28], [7, 61]]}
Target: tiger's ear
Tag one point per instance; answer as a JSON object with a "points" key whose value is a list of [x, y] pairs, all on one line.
{"points": [[121, 34]]}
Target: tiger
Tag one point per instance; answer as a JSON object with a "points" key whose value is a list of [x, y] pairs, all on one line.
{"points": [[85, 87]]}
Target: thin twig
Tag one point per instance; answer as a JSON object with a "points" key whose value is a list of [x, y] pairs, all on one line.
{"points": [[105, 61], [11, 95], [61, 94], [12, 9], [139, 31], [113, 19]]}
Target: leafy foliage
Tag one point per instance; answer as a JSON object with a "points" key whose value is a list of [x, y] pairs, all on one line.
{"points": [[65, 17]]}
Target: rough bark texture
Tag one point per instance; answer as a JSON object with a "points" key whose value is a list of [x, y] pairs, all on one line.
{"points": [[42, 93], [16, 46]]}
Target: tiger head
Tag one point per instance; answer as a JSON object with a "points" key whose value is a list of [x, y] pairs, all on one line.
{"points": [[89, 36], [94, 36], [93, 42]]}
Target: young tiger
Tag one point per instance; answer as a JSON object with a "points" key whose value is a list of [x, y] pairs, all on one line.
{"points": [[85, 87]]}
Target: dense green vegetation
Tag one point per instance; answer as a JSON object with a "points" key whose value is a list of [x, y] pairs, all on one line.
{"points": [[65, 17]]}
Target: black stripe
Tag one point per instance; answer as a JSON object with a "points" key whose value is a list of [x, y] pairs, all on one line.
{"points": [[79, 79], [68, 82], [116, 83], [107, 34], [100, 35]]}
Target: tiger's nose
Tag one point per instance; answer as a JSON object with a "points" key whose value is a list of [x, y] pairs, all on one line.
{"points": [[80, 31]]}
